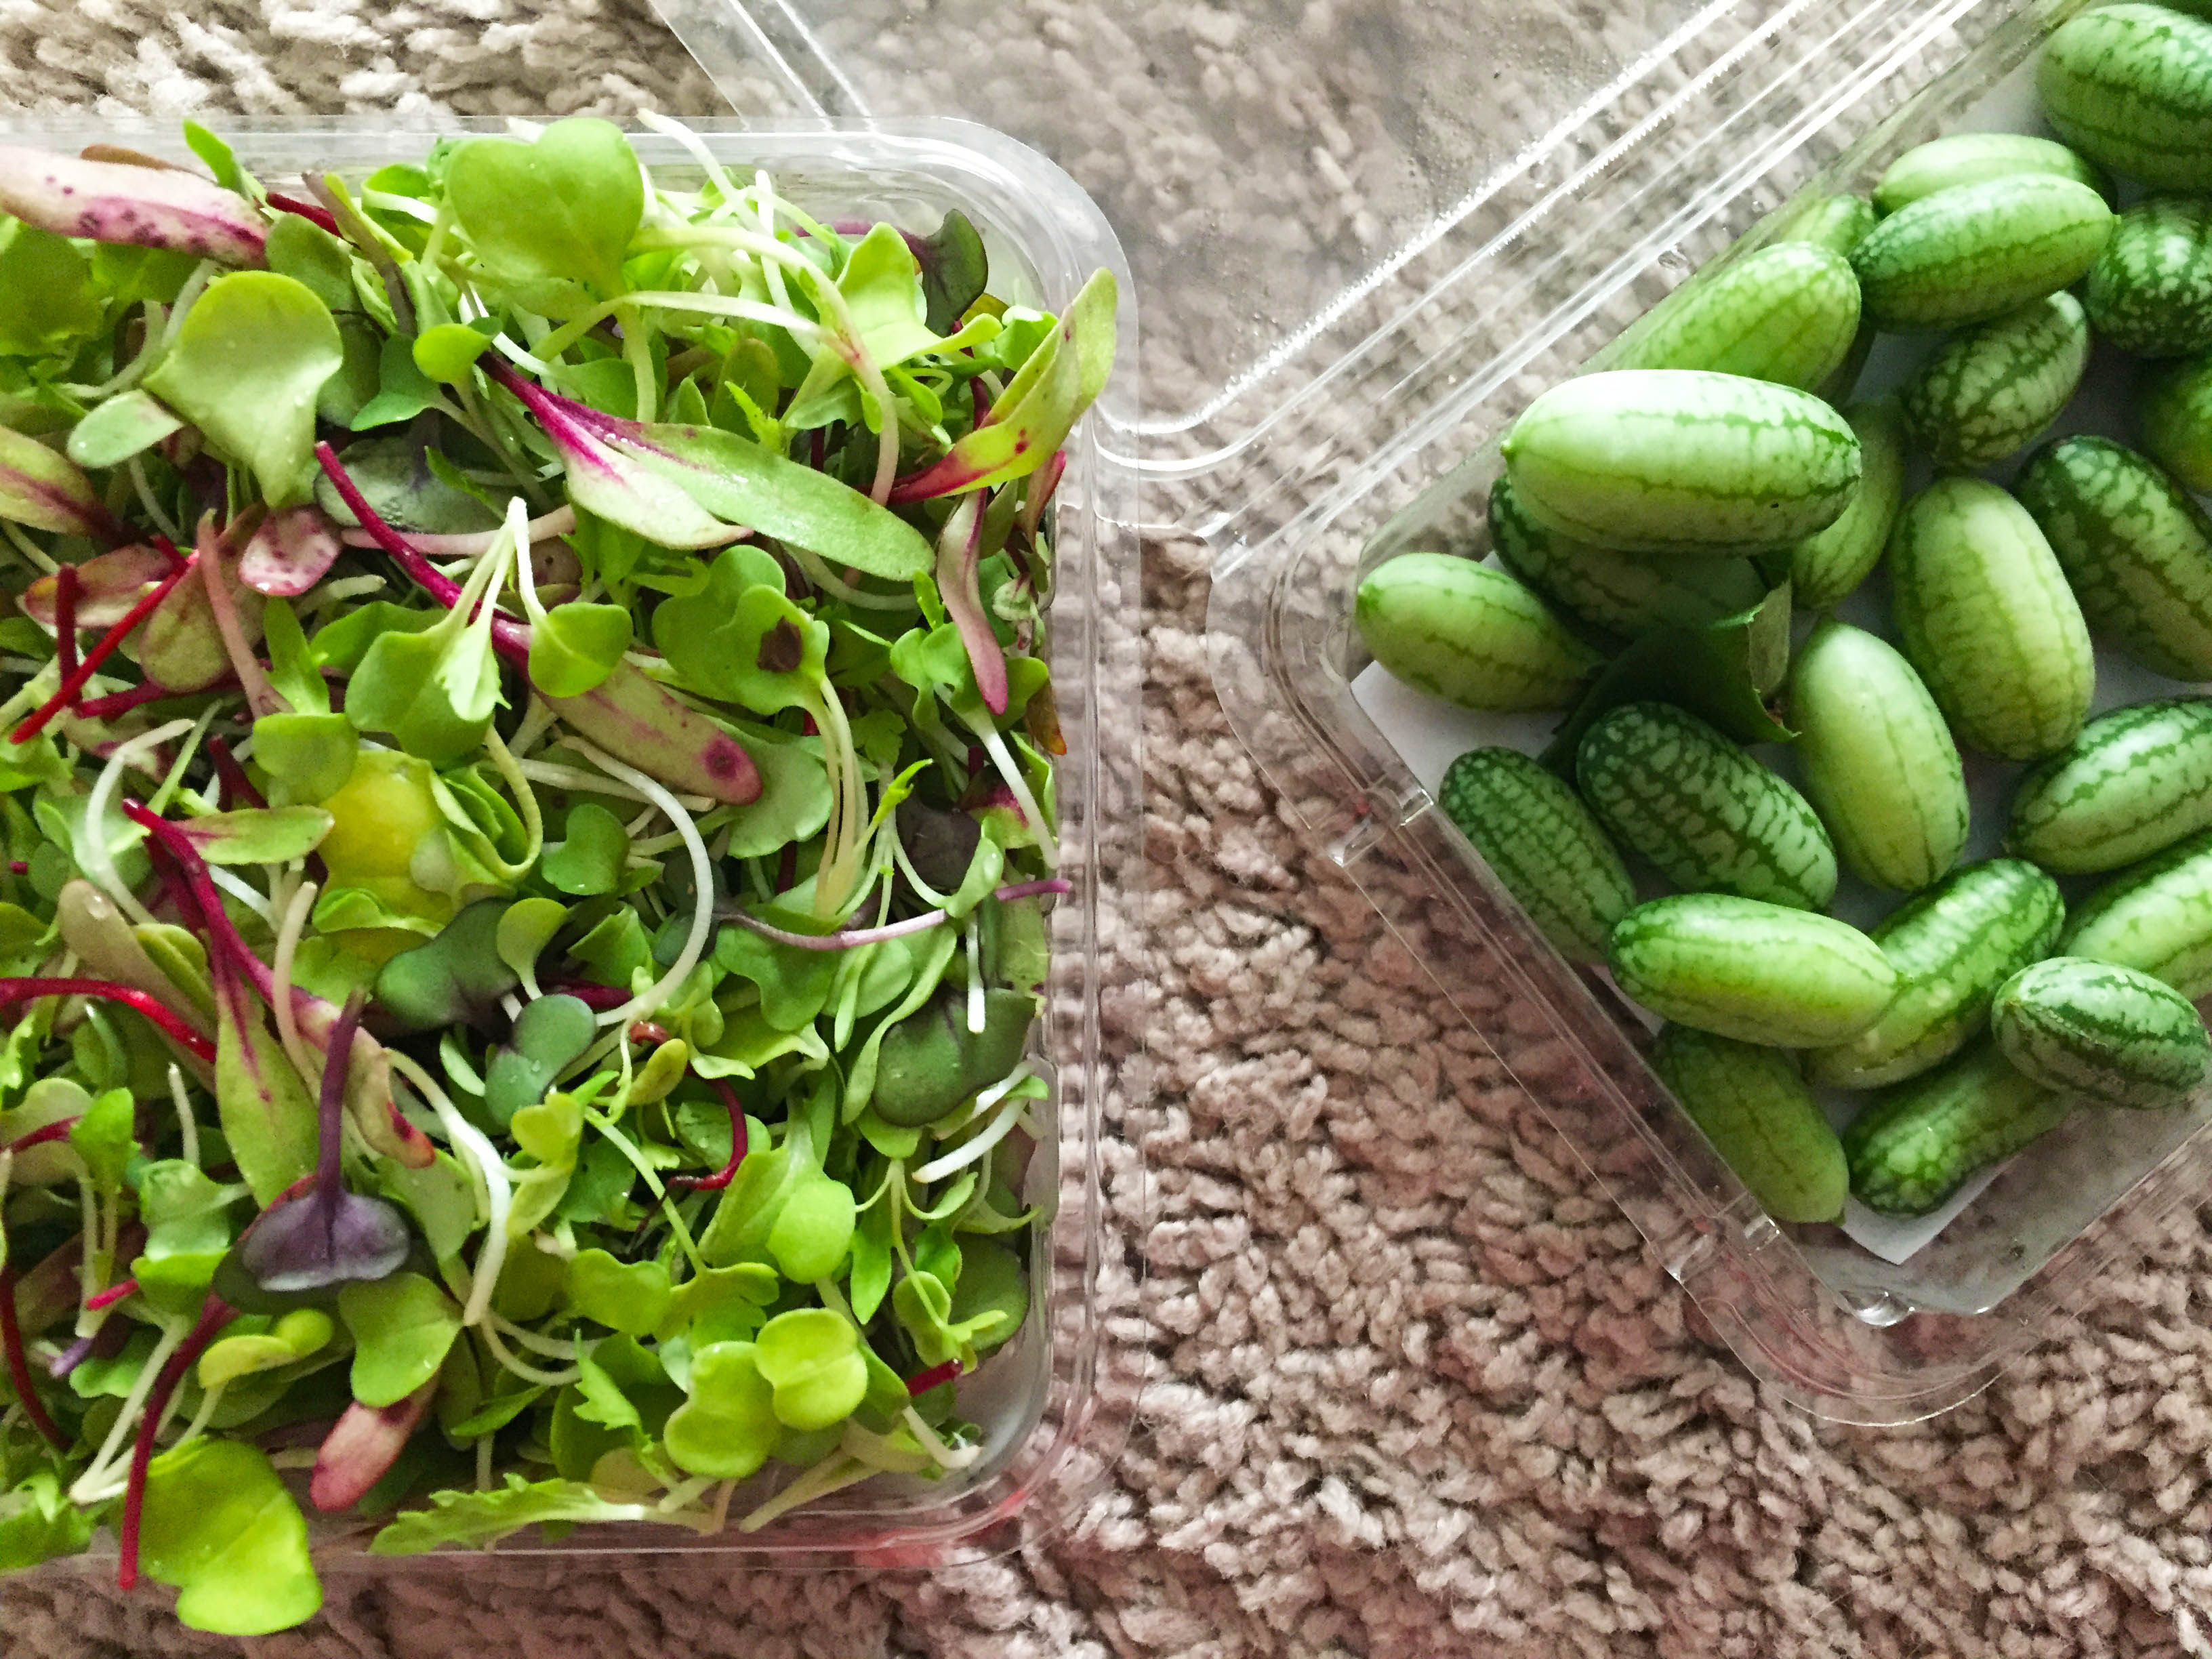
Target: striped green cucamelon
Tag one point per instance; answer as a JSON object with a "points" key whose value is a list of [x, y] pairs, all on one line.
{"points": [[1616, 595], [1976, 251], [2100, 1031], [1982, 611], [1542, 844], [1683, 461], [1787, 312], [1973, 158], [2135, 782], [1878, 762], [1835, 222], [2137, 549], [2173, 418], [1913, 1147], [1990, 390], [1710, 816], [1761, 1119], [2150, 291], [2130, 87], [1759, 973], [2156, 918], [1826, 567], [1952, 947], [1469, 634]]}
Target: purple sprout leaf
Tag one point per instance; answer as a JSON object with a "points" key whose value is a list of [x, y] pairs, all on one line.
{"points": [[329, 1236], [954, 268], [143, 207]]}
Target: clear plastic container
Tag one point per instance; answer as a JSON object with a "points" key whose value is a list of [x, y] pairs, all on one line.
{"points": [[1036, 1398], [1365, 238]]}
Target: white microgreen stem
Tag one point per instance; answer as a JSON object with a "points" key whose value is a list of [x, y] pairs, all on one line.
{"points": [[971, 1150], [188, 1124], [1010, 769], [648, 1001], [521, 1368], [280, 965], [261, 698], [96, 856], [168, 526], [464, 1137], [948, 1456], [833, 1474], [30, 549], [973, 932], [91, 1485]]}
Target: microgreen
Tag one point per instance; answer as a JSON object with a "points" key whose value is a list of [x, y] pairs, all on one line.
{"points": [[553, 884]]}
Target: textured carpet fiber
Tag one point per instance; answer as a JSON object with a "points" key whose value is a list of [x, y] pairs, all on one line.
{"points": [[1414, 1386]]}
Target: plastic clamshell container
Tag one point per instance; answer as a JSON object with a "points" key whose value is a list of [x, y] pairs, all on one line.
{"points": [[1047, 1448], [1703, 143]]}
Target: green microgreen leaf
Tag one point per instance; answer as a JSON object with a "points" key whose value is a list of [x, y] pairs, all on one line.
{"points": [[258, 835], [631, 1298], [219, 1524], [728, 1426], [551, 1032], [126, 424], [589, 859], [811, 1358], [245, 367], [574, 646], [562, 208], [402, 1327]]}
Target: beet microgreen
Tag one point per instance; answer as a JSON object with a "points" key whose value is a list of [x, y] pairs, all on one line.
{"points": [[578, 825]]}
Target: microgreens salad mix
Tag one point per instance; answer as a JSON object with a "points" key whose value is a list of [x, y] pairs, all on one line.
{"points": [[527, 778]]}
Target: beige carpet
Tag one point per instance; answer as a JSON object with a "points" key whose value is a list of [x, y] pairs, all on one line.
{"points": [[1415, 1388]]}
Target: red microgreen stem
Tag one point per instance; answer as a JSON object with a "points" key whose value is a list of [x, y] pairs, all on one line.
{"points": [[66, 583], [122, 703], [329, 1182], [645, 1030], [19, 866], [58, 1130], [215, 1314], [321, 217], [19, 1366], [511, 639], [30, 989], [73, 682], [235, 785], [935, 1377], [111, 1295], [168, 550], [723, 1177]]}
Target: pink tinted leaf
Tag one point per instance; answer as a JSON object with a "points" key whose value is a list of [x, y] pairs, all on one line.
{"points": [[144, 207], [43, 489], [362, 1447], [957, 558], [655, 731], [108, 585], [289, 553], [610, 484], [1040, 404]]}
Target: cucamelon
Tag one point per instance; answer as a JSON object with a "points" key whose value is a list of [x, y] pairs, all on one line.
{"points": [[2104, 1032], [1468, 634], [1701, 809], [1835, 222], [1982, 611], [1952, 947], [2156, 918], [1761, 1119], [1759, 973], [1786, 313], [1973, 158], [2137, 549], [2135, 782], [1681, 461], [1543, 845], [1976, 251], [1913, 1147], [2150, 291], [1827, 566], [1878, 762], [2173, 418], [2130, 87], [1992, 389], [1616, 595]]}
